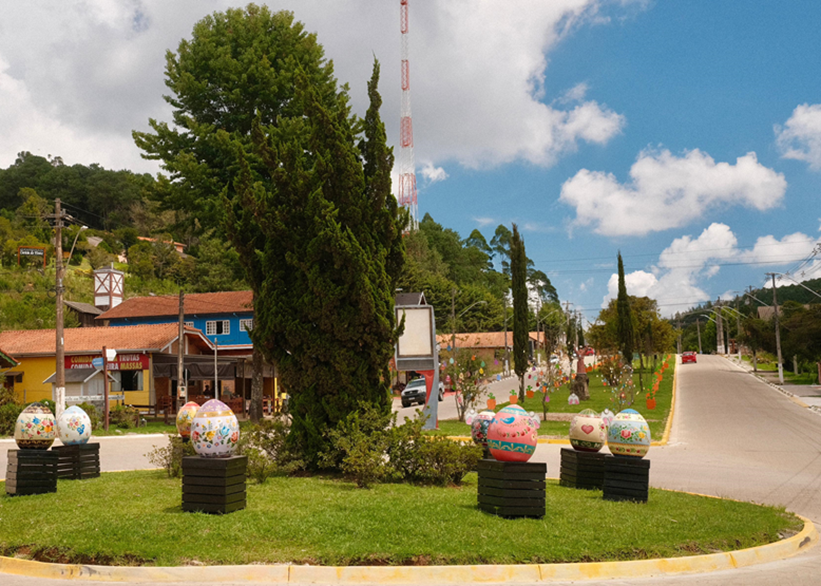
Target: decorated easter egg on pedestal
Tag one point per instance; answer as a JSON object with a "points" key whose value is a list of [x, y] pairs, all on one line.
{"points": [[628, 434], [184, 418], [214, 430], [478, 427], [588, 432], [74, 426], [512, 435], [35, 429], [607, 416]]}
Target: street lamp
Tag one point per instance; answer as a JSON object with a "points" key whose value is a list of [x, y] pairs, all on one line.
{"points": [[454, 317], [73, 244]]}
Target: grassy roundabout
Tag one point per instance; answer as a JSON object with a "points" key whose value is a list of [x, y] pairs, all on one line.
{"points": [[134, 518]]}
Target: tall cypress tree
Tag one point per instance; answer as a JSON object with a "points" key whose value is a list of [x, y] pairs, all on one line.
{"points": [[624, 319], [264, 146], [518, 276]]}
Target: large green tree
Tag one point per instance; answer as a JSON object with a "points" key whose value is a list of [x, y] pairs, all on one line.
{"points": [[521, 310], [264, 146]]}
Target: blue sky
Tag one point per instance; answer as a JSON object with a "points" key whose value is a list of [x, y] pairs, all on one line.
{"points": [[685, 134]]}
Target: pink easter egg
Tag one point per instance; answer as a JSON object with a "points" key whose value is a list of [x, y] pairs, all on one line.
{"points": [[512, 435]]}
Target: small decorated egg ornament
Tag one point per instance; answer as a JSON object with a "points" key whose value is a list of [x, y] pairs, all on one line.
{"points": [[628, 434], [74, 426], [478, 426], [35, 428], [185, 416], [588, 432], [215, 430], [512, 435]]}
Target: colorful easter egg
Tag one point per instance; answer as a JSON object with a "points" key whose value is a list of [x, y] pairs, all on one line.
{"points": [[512, 435], [478, 427], [215, 430], [628, 434], [588, 432], [185, 416], [74, 426], [573, 399], [35, 428], [607, 416]]}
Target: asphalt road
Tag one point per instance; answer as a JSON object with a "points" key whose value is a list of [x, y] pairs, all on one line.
{"points": [[732, 436]]}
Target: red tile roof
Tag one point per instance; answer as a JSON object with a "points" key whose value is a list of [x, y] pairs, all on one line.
{"points": [[153, 337], [195, 304], [479, 340], [6, 361]]}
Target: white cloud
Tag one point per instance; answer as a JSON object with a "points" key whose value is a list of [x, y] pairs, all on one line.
{"points": [[666, 191], [85, 75], [675, 282], [800, 137], [433, 174], [484, 221]]}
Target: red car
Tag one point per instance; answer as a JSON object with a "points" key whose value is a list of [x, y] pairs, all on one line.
{"points": [[688, 357]]}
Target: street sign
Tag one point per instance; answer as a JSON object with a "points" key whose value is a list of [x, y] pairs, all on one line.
{"points": [[97, 362]]}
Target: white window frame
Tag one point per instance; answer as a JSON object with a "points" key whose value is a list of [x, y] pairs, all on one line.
{"points": [[246, 325], [211, 327], [188, 324]]}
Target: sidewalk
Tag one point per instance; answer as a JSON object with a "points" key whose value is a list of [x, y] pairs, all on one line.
{"points": [[810, 395]]}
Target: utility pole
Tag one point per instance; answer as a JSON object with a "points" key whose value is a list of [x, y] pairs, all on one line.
{"points": [[59, 395], [698, 329], [678, 342], [182, 391], [453, 325], [507, 354], [738, 330], [777, 331], [719, 329]]}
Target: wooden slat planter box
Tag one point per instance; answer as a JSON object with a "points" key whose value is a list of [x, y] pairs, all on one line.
{"points": [[582, 469], [78, 462], [31, 472], [626, 479], [214, 485], [512, 489]]}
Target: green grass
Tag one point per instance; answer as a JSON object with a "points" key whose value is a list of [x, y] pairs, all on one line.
{"points": [[135, 518], [601, 398], [149, 427], [452, 427], [804, 378]]}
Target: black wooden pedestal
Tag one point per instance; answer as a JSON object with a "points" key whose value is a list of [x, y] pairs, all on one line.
{"points": [[213, 485], [78, 462], [626, 479], [31, 472], [512, 489], [582, 469]]}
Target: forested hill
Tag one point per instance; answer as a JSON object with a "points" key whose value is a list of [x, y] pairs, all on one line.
{"points": [[461, 277]]}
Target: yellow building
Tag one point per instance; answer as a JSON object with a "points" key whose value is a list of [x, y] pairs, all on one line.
{"points": [[131, 373]]}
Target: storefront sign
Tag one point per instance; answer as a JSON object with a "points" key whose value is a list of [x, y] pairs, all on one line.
{"points": [[120, 362]]}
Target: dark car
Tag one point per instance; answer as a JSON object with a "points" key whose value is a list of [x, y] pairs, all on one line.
{"points": [[688, 357], [415, 392]]}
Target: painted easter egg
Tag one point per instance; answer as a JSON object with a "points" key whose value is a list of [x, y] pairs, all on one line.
{"points": [[74, 426], [588, 432], [184, 418], [35, 428], [628, 434], [478, 428], [215, 430], [607, 416], [512, 435], [573, 399]]}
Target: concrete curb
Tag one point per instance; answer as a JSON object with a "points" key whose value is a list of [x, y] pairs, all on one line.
{"points": [[508, 574], [791, 396]]}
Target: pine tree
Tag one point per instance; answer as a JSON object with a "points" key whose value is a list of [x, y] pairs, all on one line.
{"points": [[624, 319], [521, 334]]}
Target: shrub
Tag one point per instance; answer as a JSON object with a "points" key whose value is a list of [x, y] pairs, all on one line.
{"points": [[50, 404], [443, 462], [124, 416], [8, 417], [268, 454], [93, 414], [170, 456]]}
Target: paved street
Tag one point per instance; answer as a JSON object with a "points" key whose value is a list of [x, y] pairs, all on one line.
{"points": [[733, 436]]}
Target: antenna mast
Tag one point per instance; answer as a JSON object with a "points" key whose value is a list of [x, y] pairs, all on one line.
{"points": [[407, 173]]}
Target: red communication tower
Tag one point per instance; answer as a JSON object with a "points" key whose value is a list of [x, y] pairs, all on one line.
{"points": [[407, 173]]}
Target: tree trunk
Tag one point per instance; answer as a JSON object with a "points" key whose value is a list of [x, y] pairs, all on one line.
{"points": [[255, 411], [641, 369]]}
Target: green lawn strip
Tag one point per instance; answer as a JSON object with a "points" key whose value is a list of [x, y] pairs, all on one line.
{"points": [[601, 398], [453, 427], [135, 518], [149, 427]]}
